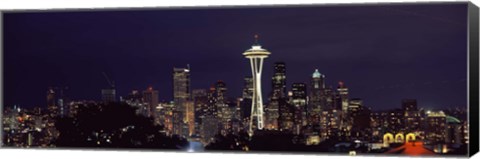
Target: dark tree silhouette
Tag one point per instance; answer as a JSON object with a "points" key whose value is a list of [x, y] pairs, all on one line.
{"points": [[273, 141], [268, 140], [221, 142], [229, 142], [113, 125]]}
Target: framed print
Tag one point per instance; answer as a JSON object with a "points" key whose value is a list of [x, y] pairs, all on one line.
{"points": [[352, 79]]}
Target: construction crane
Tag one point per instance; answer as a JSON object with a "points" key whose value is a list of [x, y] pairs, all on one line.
{"points": [[108, 94], [110, 83]]}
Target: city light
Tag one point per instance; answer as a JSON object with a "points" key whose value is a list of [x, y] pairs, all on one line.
{"points": [[306, 114]]}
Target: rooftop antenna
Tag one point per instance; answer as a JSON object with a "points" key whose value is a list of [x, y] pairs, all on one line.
{"points": [[256, 39]]}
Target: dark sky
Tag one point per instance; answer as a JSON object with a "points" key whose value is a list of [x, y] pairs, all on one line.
{"points": [[383, 53]]}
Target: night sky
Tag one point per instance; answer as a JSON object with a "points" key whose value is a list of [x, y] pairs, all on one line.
{"points": [[383, 53]]}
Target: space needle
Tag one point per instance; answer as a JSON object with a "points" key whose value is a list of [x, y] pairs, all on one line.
{"points": [[256, 54]]}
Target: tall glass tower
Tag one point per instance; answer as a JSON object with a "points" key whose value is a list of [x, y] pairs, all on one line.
{"points": [[181, 97], [256, 54]]}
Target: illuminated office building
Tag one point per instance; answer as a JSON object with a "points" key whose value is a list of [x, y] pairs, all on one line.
{"points": [[61, 101], [394, 121], [330, 123], [330, 98], [209, 128], [436, 127], [454, 132], [355, 105], [168, 109], [343, 94], [316, 97], [181, 87], [279, 84], [199, 93], [412, 115], [246, 102], [200, 100], [51, 102], [109, 94], [190, 118], [247, 88], [342, 102], [286, 116], [221, 99], [299, 101], [135, 99], [377, 126], [465, 130], [279, 92], [150, 97], [222, 107], [181, 94]]}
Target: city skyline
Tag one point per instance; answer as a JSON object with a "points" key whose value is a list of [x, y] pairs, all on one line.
{"points": [[352, 79], [137, 60]]}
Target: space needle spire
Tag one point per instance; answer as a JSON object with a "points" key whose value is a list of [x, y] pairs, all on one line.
{"points": [[256, 55]]}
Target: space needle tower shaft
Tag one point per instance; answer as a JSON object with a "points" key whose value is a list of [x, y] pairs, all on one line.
{"points": [[256, 55]]}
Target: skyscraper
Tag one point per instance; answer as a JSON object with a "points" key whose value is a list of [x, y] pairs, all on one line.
{"points": [[342, 102], [109, 93], [57, 101], [200, 99], [181, 86], [343, 94], [330, 98], [135, 99], [286, 115], [168, 119], [51, 102], [52, 132], [221, 99], [299, 101], [209, 129], [279, 92], [256, 55], [190, 117], [329, 123], [355, 104], [454, 134], [212, 101], [436, 127], [199, 96], [221, 92], [181, 93], [279, 84], [316, 97], [209, 125], [150, 97], [223, 113], [246, 101], [412, 115], [359, 118], [247, 88], [199, 93]]}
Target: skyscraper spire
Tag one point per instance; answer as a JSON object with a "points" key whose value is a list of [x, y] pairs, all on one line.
{"points": [[256, 40], [316, 74]]}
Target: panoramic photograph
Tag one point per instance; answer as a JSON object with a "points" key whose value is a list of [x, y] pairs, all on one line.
{"points": [[377, 79]]}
